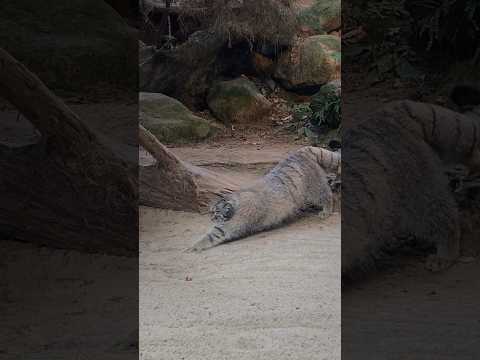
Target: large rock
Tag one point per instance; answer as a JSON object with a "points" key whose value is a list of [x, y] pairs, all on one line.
{"points": [[310, 64], [238, 101], [185, 72], [170, 121], [70, 43], [320, 17]]}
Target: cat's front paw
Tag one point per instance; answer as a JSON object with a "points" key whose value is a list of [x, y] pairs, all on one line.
{"points": [[203, 244]]}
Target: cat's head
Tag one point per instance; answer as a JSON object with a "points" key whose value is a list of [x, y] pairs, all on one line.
{"points": [[222, 211]]}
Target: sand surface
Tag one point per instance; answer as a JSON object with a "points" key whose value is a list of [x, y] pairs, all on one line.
{"points": [[63, 304], [275, 295], [412, 313]]}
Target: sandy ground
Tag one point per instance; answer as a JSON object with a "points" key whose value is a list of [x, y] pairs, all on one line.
{"points": [[413, 314], [63, 304], [275, 295]]}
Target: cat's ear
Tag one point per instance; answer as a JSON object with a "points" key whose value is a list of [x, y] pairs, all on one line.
{"points": [[465, 95]]}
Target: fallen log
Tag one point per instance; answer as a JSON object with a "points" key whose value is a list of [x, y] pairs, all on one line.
{"points": [[171, 183], [68, 190]]}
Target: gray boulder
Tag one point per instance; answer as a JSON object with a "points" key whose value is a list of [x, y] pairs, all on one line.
{"points": [[238, 101], [172, 122], [310, 64]]}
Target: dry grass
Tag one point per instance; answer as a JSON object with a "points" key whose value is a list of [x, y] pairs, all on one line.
{"points": [[271, 21]]}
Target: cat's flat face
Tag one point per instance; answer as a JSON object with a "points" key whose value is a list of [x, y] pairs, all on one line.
{"points": [[222, 211]]}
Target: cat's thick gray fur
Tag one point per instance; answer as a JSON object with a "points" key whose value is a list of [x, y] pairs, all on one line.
{"points": [[296, 184]]}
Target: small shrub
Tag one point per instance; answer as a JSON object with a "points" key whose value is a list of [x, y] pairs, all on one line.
{"points": [[326, 107]]}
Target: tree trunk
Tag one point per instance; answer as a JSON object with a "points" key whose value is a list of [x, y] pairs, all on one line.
{"points": [[171, 183], [68, 190]]}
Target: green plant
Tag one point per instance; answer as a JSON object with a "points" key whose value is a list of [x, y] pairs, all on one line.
{"points": [[326, 108], [301, 112]]}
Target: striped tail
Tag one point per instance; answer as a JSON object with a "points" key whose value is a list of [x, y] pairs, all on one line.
{"points": [[329, 160], [449, 133]]}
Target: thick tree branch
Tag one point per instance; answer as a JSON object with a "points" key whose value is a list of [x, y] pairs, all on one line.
{"points": [[69, 190], [174, 184]]}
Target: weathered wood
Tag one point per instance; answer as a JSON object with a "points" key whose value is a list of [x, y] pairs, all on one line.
{"points": [[165, 158], [168, 183], [69, 190], [171, 183]]}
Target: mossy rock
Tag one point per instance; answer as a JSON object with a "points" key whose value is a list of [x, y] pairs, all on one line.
{"points": [[321, 17], [238, 101], [70, 44], [171, 121], [310, 64]]}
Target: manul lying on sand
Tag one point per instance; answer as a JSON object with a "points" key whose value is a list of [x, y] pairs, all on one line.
{"points": [[298, 183]]}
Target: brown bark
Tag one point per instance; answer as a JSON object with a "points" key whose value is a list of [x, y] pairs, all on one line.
{"points": [[168, 183], [171, 183], [68, 190]]}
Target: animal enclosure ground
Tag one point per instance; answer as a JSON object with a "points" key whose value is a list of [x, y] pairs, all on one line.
{"points": [[275, 295], [99, 298], [413, 311]]}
